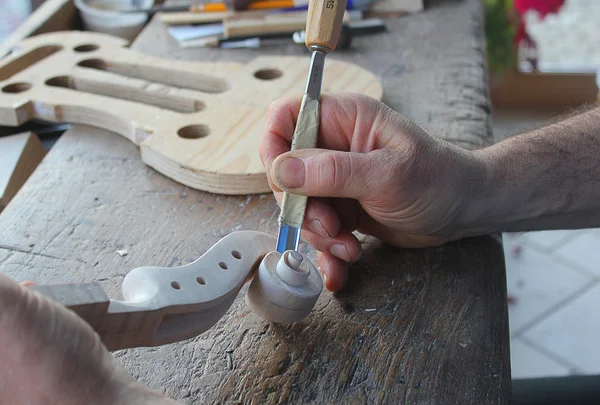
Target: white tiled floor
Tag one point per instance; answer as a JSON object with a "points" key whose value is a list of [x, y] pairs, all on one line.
{"points": [[553, 280], [571, 332], [527, 362], [548, 241], [536, 281], [582, 251]]}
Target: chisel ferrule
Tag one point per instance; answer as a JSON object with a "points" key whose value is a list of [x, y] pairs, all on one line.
{"points": [[319, 48]]}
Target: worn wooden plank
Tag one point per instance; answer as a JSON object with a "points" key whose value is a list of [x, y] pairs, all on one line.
{"points": [[414, 326]]}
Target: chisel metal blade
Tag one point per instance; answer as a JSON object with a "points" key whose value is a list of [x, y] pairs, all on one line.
{"points": [[305, 136]]}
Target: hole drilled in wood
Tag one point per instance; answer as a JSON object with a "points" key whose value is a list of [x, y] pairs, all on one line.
{"points": [[236, 254], [198, 106], [200, 281], [97, 64], [24, 61], [86, 48], [61, 81], [16, 87], [268, 74], [176, 285], [223, 265], [194, 131]]}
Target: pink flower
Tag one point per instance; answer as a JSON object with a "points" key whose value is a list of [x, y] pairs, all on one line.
{"points": [[543, 7]]}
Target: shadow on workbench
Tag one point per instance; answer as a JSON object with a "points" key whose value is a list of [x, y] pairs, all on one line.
{"points": [[48, 133]]}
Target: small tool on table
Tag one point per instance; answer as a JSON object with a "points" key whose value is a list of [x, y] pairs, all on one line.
{"points": [[209, 6], [323, 27]]}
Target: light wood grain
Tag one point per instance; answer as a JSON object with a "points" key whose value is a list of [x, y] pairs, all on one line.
{"points": [[267, 23], [186, 17], [380, 8], [324, 23], [422, 326], [20, 154], [198, 123], [544, 90]]}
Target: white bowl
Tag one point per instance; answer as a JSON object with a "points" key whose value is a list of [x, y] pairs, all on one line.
{"points": [[103, 16]]}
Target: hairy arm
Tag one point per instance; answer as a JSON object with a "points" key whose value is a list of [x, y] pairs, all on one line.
{"points": [[548, 178]]}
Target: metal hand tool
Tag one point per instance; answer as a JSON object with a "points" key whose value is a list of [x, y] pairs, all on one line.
{"points": [[323, 27]]}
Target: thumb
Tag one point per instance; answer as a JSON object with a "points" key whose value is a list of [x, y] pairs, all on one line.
{"points": [[326, 173]]}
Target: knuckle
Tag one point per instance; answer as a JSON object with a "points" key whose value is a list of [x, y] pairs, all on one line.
{"points": [[272, 108], [334, 171], [276, 105], [263, 148], [319, 243], [282, 104], [267, 155]]}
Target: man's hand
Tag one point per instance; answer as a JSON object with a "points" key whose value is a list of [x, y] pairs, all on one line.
{"points": [[374, 172], [49, 356]]}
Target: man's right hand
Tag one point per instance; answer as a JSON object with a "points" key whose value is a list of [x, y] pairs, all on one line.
{"points": [[375, 172]]}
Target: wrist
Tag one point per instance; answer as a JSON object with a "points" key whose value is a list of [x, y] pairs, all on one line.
{"points": [[466, 185], [539, 180], [517, 190], [485, 199]]}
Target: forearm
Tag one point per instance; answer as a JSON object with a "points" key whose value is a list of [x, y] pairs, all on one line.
{"points": [[548, 178]]}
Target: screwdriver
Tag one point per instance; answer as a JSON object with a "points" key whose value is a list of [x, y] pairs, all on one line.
{"points": [[323, 26]]}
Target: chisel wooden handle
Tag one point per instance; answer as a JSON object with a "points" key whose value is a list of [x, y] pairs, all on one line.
{"points": [[324, 23]]}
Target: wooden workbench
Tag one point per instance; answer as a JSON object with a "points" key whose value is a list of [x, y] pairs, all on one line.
{"points": [[413, 327]]}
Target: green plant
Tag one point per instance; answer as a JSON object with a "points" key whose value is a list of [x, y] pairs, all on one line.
{"points": [[499, 33]]}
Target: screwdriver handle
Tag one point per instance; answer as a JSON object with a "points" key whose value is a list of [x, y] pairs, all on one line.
{"points": [[324, 23]]}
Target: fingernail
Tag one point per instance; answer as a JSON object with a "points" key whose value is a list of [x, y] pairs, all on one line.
{"points": [[339, 250], [317, 227], [290, 173]]}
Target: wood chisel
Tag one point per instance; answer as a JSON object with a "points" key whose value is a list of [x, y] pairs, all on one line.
{"points": [[323, 26]]}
